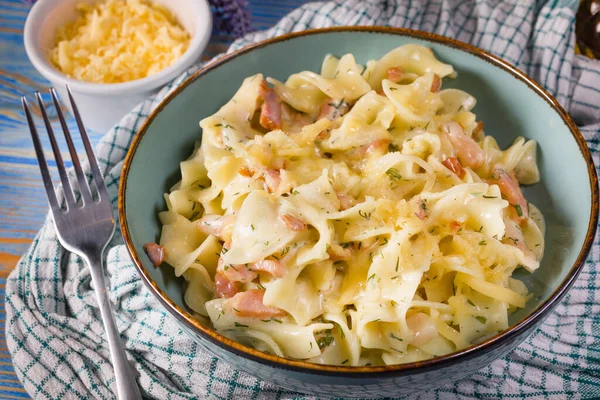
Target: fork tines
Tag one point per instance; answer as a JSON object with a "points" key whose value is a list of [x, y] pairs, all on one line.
{"points": [[84, 188]]}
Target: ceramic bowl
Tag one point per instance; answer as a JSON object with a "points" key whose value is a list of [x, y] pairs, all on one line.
{"points": [[509, 103], [103, 105]]}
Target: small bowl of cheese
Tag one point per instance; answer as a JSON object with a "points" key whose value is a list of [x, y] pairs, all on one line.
{"points": [[113, 54]]}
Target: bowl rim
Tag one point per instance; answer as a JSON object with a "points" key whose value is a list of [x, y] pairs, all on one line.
{"points": [[42, 64], [367, 372]]}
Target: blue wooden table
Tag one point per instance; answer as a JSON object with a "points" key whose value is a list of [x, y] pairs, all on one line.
{"points": [[22, 198]]}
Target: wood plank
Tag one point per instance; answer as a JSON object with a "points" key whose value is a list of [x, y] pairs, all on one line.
{"points": [[7, 263], [8, 393], [11, 30]]}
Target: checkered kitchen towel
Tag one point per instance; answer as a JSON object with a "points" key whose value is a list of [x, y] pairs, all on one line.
{"points": [[53, 326]]}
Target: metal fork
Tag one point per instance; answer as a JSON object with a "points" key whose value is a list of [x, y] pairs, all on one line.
{"points": [[84, 229]]}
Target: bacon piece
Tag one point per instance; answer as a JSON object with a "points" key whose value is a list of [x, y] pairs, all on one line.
{"points": [[454, 165], [378, 147], [337, 252], [395, 74], [422, 328], [272, 180], [454, 227], [250, 304], [509, 187], [263, 89], [270, 112], [436, 83], [224, 287], [220, 226], [273, 267], [294, 223], [468, 151], [155, 253], [331, 110], [236, 273], [346, 201]]}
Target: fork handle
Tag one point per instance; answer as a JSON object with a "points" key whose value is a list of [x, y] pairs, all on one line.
{"points": [[127, 388]]}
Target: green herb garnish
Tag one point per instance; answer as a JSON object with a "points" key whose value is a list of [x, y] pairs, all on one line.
{"points": [[365, 215], [396, 337], [394, 174], [518, 209], [324, 341]]}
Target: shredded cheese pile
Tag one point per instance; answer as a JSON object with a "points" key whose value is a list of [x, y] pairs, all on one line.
{"points": [[118, 41]]}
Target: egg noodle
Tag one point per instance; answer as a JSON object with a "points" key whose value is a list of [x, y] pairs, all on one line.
{"points": [[359, 216]]}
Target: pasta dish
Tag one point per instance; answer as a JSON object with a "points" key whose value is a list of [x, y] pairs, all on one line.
{"points": [[359, 216]]}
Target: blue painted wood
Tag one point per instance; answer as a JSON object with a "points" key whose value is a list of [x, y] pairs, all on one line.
{"points": [[22, 198]]}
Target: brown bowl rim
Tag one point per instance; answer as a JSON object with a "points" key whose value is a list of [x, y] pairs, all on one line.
{"points": [[367, 371]]}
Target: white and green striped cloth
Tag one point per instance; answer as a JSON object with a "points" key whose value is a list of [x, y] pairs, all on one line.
{"points": [[53, 323]]}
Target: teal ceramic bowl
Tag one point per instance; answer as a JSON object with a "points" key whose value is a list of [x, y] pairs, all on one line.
{"points": [[509, 103]]}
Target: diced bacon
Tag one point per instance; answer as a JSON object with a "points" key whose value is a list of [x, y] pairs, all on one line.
{"points": [[270, 112], [272, 180], [337, 252], [273, 267], [509, 187], [294, 223], [332, 110], [436, 83], [454, 227], [155, 253], [224, 287], [246, 171], [477, 130], [378, 147], [454, 165], [220, 226], [422, 327], [250, 304], [395, 74], [263, 89], [236, 273], [468, 151], [346, 201]]}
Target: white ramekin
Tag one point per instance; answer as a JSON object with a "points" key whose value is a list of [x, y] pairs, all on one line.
{"points": [[103, 105]]}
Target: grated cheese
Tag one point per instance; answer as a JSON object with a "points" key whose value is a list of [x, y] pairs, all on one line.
{"points": [[118, 41]]}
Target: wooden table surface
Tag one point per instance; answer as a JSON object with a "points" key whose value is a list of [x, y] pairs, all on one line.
{"points": [[23, 204]]}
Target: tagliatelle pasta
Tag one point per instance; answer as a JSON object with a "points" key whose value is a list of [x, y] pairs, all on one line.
{"points": [[359, 216]]}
